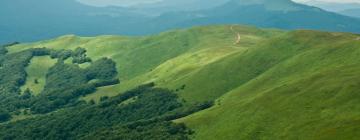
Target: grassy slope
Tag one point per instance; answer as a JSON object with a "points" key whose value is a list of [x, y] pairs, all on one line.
{"points": [[279, 85], [311, 95], [152, 59], [215, 43], [37, 71]]}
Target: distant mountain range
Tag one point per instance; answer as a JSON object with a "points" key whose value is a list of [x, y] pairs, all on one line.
{"points": [[352, 12], [165, 6], [348, 9], [279, 14], [43, 19], [333, 6]]}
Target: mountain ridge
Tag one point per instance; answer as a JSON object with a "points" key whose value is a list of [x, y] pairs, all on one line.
{"points": [[46, 21]]}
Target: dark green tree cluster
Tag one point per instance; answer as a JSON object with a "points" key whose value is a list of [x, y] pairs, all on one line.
{"points": [[40, 51], [66, 82], [3, 49], [12, 71], [111, 119], [153, 131], [97, 71], [61, 55], [11, 44], [144, 113], [12, 76], [4, 116], [79, 56]]}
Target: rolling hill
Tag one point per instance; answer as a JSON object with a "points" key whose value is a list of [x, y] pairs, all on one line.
{"points": [[267, 84]]}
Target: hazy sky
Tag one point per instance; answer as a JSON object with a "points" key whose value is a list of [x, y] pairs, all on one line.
{"points": [[339, 1], [117, 2], [134, 2]]}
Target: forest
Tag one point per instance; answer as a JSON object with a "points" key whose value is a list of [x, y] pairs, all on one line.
{"points": [[65, 83], [143, 113]]}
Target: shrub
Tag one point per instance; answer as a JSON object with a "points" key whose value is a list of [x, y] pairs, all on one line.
{"points": [[102, 69]]}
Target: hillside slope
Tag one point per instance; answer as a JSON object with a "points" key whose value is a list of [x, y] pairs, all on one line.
{"points": [[311, 95], [151, 59], [271, 84]]}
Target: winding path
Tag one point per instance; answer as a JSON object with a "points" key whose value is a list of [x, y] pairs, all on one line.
{"points": [[238, 36]]}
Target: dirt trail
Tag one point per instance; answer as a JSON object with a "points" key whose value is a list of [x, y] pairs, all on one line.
{"points": [[238, 36], [358, 38]]}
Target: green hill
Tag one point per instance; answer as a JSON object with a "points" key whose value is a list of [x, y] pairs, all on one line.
{"points": [[265, 83], [310, 95]]}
